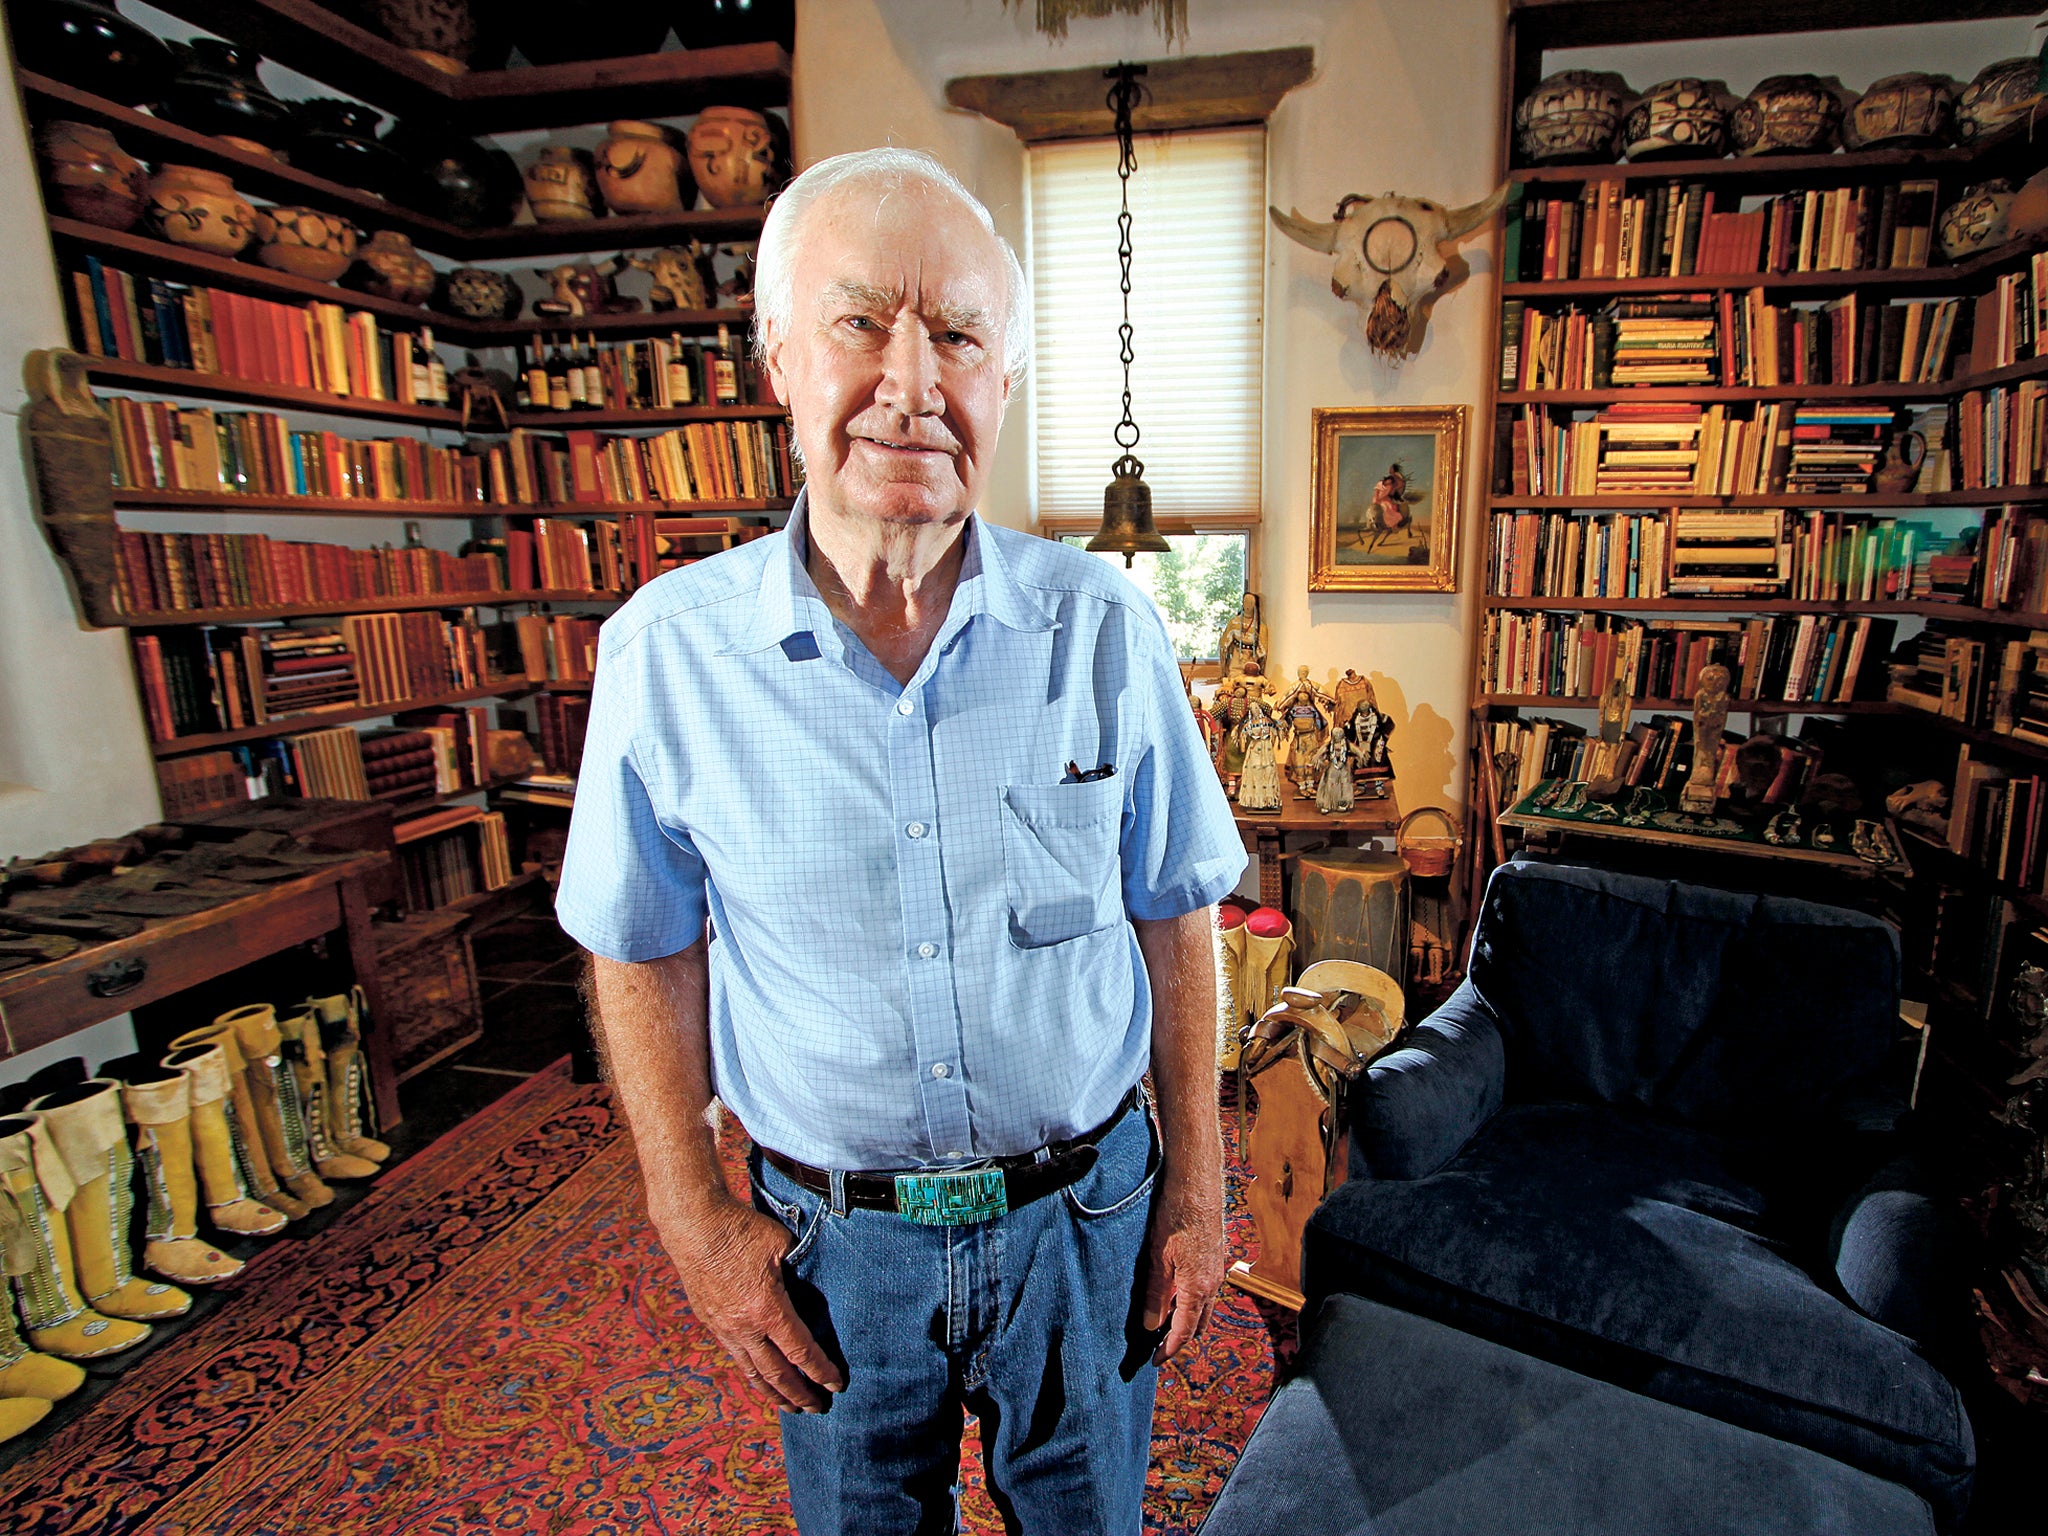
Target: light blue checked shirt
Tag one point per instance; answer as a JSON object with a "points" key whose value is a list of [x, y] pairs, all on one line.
{"points": [[921, 949]]}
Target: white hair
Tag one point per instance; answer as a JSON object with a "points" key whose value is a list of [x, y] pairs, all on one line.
{"points": [[889, 168]]}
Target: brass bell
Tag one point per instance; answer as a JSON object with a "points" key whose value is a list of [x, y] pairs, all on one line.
{"points": [[1127, 527]]}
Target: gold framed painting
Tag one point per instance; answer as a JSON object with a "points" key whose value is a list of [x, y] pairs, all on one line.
{"points": [[1388, 485]]}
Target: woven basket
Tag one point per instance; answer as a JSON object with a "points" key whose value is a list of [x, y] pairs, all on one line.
{"points": [[1428, 857]]}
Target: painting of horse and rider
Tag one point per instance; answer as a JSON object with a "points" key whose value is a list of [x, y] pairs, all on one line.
{"points": [[1387, 491]]}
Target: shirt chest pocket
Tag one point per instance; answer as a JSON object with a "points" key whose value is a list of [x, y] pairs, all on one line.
{"points": [[1060, 865]]}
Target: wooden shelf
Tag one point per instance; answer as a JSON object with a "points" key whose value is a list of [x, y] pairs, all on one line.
{"points": [[629, 232], [485, 909], [1976, 735], [1683, 706], [193, 384], [445, 796], [2025, 368], [320, 719], [1541, 24], [184, 616], [1953, 865], [1996, 496], [317, 42], [653, 322], [565, 685], [363, 506], [1684, 605], [1942, 278], [1836, 166], [571, 421]]}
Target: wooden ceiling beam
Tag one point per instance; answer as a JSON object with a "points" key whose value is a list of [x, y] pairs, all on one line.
{"points": [[1211, 91]]}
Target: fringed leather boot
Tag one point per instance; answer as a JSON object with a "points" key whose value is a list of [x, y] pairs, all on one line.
{"points": [[159, 1105], [1268, 958], [213, 1144], [243, 1129], [1232, 1004], [85, 1123], [308, 1061], [29, 1380], [351, 1107], [276, 1099], [34, 1180]]}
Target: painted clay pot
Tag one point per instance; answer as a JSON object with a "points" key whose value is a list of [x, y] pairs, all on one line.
{"points": [[90, 45], [454, 178], [389, 267], [338, 139], [640, 171], [547, 34], [200, 209], [733, 156], [442, 33], [721, 23], [478, 293], [1683, 119], [560, 186], [1572, 116], [1909, 111], [2002, 94], [216, 91], [305, 242], [1788, 115], [91, 177], [1976, 219]]}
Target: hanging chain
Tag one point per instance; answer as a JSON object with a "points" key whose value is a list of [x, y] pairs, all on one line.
{"points": [[1123, 97]]}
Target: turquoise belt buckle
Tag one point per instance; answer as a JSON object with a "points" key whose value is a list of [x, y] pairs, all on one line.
{"points": [[951, 1199]]}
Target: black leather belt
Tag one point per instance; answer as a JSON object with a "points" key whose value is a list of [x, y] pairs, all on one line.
{"points": [[957, 1196]]}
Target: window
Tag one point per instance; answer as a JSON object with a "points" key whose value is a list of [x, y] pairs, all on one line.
{"points": [[1197, 302], [1198, 586]]}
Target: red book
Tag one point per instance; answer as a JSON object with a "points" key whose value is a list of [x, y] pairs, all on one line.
{"points": [[519, 560]]}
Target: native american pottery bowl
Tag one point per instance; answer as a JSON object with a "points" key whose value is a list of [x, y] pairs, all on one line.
{"points": [[1678, 119], [1976, 219], [1571, 116], [639, 170], [1903, 457], [478, 293], [1788, 115], [216, 91], [90, 176], [305, 242], [89, 45], [560, 186], [454, 178], [442, 33], [549, 33], [2004, 93], [338, 140], [390, 268], [1909, 111], [721, 23], [734, 156], [200, 209]]}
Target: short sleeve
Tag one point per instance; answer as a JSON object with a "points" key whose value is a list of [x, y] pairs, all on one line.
{"points": [[632, 889], [1181, 849]]}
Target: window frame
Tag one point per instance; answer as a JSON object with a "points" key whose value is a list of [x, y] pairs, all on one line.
{"points": [[1060, 527]]}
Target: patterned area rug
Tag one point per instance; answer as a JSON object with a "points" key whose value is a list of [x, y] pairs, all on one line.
{"points": [[493, 1339]]}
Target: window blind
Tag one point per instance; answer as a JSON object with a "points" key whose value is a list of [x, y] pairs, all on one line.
{"points": [[1197, 302]]}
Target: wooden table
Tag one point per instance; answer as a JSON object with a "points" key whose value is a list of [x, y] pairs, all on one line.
{"points": [[43, 1003], [1265, 833]]}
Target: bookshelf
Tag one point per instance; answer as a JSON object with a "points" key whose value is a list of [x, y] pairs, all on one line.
{"points": [[202, 589]]}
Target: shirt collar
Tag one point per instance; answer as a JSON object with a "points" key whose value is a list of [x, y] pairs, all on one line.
{"points": [[788, 601]]}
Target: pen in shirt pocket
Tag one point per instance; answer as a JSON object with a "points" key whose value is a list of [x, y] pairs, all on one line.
{"points": [[1076, 775]]}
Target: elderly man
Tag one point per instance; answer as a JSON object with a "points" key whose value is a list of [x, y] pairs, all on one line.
{"points": [[944, 944]]}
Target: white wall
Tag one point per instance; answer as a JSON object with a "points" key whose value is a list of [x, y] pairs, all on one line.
{"points": [[1404, 96]]}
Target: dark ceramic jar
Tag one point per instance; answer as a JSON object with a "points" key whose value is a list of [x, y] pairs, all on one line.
{"points": [[478, 293], [720, 23], [338, 139], [454, 178], [216, 91], [89, 45], [548, 33]]}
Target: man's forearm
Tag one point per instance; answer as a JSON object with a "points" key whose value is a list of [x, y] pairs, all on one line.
{"points": [[653, 1026], [1180, 960]]}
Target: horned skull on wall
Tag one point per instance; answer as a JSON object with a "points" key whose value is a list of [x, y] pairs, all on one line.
{"points": [[1390, 258]]}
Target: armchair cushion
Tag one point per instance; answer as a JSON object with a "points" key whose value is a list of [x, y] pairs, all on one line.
{"points": [[1896, 1249], [1635, 1249], [1422, 1102]]}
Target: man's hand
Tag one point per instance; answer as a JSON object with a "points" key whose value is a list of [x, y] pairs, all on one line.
{"points": [[1185, 1257], [730, 1258]]}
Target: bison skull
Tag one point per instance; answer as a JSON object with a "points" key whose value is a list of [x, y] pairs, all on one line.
{"points": [[1390, 258]]}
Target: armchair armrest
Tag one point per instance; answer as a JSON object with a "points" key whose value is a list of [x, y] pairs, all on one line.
{"points": [[1898, 1251], [1421, 1103]]}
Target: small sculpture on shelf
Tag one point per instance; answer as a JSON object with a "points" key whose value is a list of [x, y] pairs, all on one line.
{"points": [[640, 171], [1307, 710], [1789, 115], [1336, 791], [478, 293], [1907, 111], [734, 157], [561, 186], [1571, 116], [1233, 704], [1349, 690], [1684, 118], [200, 209], [1371, 728], [1258, 788], [217, 90], [2000, 96], [584, 288], [482, 394], [92, 177], [678, 274], [1709, 723], [1205, 722], [1241, 648], [390, 268]]}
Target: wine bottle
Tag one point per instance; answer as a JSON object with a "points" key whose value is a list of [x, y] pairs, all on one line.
{"points": [[680, 391], [537, 388], [572, 366], [558, 378], [725, 374], [437, 371], [593, 374], [416, 366]]}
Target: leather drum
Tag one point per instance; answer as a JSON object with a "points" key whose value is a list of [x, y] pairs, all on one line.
{"points": [[1352, 904]]}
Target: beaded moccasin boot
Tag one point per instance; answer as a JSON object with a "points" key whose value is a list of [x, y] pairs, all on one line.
{"points": [[276, 1099], [351, 1107], [29, 1381], [159, 1105], [35, 1181], [308, 1061], [244, 1131], [213, 1144]]}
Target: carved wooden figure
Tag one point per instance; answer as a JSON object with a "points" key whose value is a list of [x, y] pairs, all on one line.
{"points": [[1709, 721], [72, 448]]}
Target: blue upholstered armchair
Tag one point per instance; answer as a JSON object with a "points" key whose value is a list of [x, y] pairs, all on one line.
{"points": [[1654, 1137]]}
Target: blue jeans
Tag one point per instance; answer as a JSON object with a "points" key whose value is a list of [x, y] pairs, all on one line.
{"points": [[1032, 1320]]}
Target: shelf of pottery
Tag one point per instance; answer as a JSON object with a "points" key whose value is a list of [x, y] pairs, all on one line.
{"points": [[301, 255], [249, 1120]]}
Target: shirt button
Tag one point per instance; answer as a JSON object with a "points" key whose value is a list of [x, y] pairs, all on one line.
{"points": [[916, 829], [905, 707], [940, 1069], [925, 952]]}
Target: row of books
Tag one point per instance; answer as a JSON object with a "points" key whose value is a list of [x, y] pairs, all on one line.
{"points": [[2002, 435], [2009, 319], [703, 461], [1985, 682], [1786, 658], [316, 345], [450, 854], [1571, 554], [563, 722], [557, 648], [2010, 568], [1676, 229], [436, 751], [1999, 822], [177, 572]]}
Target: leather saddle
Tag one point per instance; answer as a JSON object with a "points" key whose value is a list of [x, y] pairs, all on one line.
{"points": [[1337, 1018]]}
